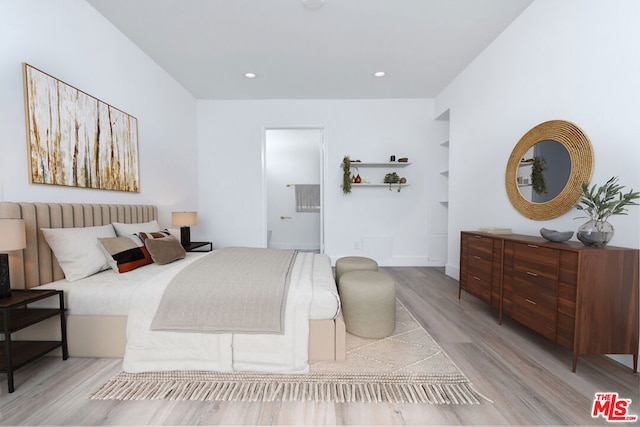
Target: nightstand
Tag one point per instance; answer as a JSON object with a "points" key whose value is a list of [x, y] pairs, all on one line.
{"points": [[16, 316], [199, 247]]}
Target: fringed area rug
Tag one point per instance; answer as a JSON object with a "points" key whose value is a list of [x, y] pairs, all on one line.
{"points": [[408, 366]]}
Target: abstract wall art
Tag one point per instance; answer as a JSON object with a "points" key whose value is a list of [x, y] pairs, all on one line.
{"points": [[77, 140]]}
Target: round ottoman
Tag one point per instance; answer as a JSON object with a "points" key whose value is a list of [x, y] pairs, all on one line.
{"points": [[368, 303], [354, 263]]}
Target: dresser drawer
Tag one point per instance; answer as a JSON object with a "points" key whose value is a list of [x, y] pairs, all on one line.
{"points": [[536, 259], [480, 246], [567, 299], [535, 316], [565, 331], [479, 267], [538, 290], [478, 287]]}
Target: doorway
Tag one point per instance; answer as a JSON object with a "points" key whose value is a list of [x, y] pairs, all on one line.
{"points": [[294, 161]]}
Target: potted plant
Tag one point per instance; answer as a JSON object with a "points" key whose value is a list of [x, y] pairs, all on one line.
{"points": [[599, 203], [392, 178], [346, 175]]}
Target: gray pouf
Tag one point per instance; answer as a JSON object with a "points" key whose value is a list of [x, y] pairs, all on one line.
{"points": [[354, 263], [368, 303]]}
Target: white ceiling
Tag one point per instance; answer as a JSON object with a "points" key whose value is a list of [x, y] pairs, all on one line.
{"points": [[297, 52]]}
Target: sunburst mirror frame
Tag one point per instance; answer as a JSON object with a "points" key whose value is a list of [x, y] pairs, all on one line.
{"points": [[581, 154]]}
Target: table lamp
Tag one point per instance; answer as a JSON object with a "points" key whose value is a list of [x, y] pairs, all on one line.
{"points": [[12, 238], [184, 220]]}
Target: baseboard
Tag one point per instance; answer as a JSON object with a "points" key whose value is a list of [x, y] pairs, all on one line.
{"points": [[400, 261], [452, 270], [412, 262], [312, 247]]}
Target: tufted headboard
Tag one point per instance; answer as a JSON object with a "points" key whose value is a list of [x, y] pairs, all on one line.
{"points": [[36, 265]]}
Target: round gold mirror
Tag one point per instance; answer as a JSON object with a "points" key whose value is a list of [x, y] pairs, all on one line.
{"points": [[531, 169]]}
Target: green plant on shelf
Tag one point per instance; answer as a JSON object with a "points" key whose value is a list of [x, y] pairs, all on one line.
{"points": [[392, 178]]}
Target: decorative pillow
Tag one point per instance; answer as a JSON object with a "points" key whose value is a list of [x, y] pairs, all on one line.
{"points": [[125, 253], [77, 249], [126, 230], [164, 250], [155, 234]]}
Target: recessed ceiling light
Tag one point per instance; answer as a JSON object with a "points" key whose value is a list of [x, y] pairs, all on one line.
{"points": [[379, 74], [250, 75], [313, 4]]}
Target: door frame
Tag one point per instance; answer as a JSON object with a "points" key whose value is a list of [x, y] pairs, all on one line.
{"points": [[323, 163]]}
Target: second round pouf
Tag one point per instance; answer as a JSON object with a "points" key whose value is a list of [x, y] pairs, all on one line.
{"points": [[368, 303], [354, 263]]}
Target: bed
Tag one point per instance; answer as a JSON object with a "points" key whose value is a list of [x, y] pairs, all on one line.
{"points": [[103, 333]]}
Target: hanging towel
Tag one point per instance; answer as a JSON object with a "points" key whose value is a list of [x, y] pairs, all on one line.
{"points": [[307, 197]]}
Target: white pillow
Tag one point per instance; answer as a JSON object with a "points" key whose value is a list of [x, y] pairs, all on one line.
{"points": [[78, 250], [125, 230]]}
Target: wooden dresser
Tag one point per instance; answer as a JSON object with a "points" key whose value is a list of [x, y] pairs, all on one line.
{"points": [[583, 298]]}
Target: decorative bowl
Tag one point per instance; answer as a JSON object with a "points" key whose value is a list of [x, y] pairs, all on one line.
{"points": [[556, 236]]}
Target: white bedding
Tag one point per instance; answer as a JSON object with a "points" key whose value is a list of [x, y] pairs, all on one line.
{"points": [[109, 293], [149, 350]]}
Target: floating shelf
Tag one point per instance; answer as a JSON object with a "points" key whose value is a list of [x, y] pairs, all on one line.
{"points": [[379, 185], [388, 165], [379, 164]]}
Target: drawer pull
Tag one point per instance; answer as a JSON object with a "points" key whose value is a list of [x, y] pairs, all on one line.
{"points": [[533, 246], [532, 274], [476, 277], [530, 302], [476, 257]]}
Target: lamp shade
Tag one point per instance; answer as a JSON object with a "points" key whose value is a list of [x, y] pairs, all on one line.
{"points": [[12, 235], [184, 219]]}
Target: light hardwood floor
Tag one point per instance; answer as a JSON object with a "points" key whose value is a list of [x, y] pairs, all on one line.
{"points": [[527, 379]]}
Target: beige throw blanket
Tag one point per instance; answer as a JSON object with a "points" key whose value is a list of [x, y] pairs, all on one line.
{"points": [[231, 290]]}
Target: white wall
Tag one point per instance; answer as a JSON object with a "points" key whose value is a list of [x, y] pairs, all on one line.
{"points": [[71, 41], [573, 60], [230, 144]]}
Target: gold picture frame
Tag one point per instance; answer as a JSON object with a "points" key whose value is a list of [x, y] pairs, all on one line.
{"points": [[75, 139]]}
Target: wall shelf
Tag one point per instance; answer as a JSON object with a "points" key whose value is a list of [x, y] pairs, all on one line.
{"points": [[379, 185], [388, 165], [379, 164]]}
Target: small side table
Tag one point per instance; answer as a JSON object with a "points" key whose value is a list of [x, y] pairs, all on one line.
{"points": [[199, 247], [16, 316]]}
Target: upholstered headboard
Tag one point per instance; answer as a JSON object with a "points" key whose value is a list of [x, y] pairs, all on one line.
{"points": [[36, 265]]}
